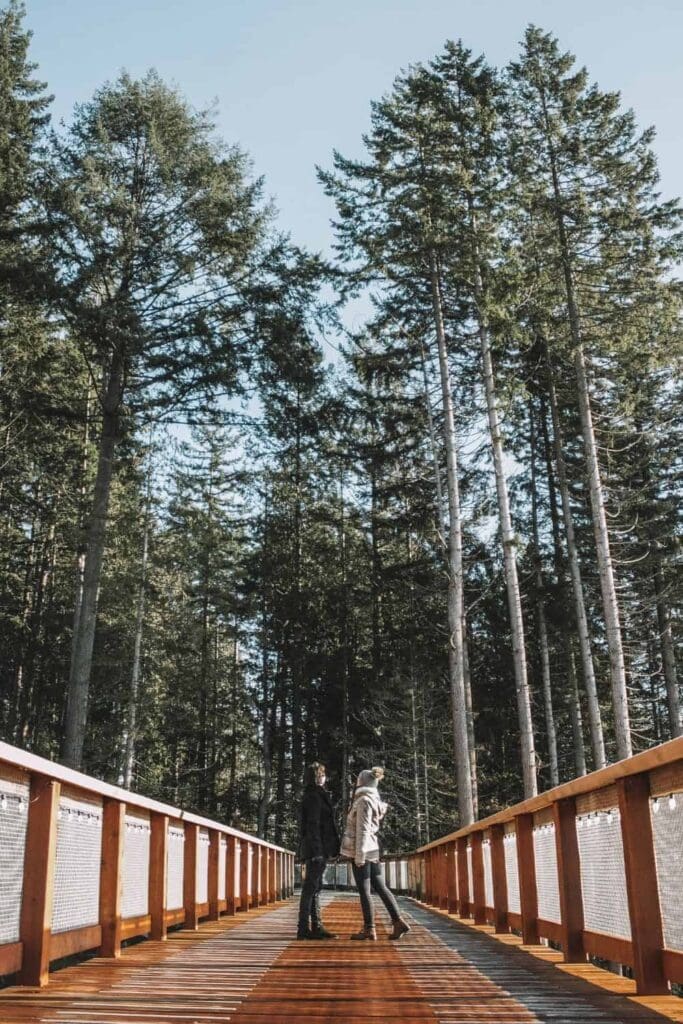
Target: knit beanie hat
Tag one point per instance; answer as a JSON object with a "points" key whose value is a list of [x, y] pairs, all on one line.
{"points": [[370, 777]]}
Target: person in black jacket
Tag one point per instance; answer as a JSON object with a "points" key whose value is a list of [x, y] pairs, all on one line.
{"points": [[319, 841]]}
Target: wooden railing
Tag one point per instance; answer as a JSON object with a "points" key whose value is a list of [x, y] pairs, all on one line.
{"points": [[85, 865], [594, 865]]}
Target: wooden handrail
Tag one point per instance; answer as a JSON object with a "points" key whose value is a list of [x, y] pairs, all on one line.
{"points": [[624, 797], [211, 852]]}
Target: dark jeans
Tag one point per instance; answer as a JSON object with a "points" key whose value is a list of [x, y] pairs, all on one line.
{"points": [[309, 905], [370, 877]]}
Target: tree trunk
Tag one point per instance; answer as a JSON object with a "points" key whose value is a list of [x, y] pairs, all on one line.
{"points": [[673, 701], [575, 713], [84, 638], [551, 734], [593, 704], [526, 728], [130, 732], [610, 605], [455, 567]]}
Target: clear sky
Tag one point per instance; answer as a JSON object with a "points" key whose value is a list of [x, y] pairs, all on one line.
{"points": [[294, 78]]}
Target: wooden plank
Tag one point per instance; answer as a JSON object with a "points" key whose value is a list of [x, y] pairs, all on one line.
{"points": [[190, 854], [111, 875], [598, 800], [569, 881], [131, 927], [78, 940], [10, 957], [641, 885], [499, 877], [550, 930], [672, 961], [609, 947], [526, 865], [176, 916], [245, 856], [214, 857], [39, 869], [478, 891], [666, 780], [256, 875], [158, 852]]}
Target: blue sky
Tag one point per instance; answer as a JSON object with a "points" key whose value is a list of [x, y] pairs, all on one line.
{"points": [[294, 78]]}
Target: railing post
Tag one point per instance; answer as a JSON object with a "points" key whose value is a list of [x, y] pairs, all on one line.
{"points": [[39, 869], [158, 844], [443, 876], [499, 878], [111, 869], [526, 866], [451, 879], [463, 878], [256, 876], [214, 858], [190, 875], [569, 880], [478, 889], [245, 857], [231, 876], [641, 884]]}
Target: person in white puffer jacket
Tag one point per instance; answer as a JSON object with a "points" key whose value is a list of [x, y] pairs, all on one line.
{"points": [[360, 843]]}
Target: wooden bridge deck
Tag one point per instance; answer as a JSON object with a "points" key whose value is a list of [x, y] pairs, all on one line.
{"points": [[250, 970]]}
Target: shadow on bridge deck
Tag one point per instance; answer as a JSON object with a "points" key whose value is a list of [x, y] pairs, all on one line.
{"points": [[249, 969]]}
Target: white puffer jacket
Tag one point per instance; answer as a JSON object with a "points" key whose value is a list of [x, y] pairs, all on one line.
{"points": [[359, 842]]}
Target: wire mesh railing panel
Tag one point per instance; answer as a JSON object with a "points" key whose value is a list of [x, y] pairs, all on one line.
{"points": [[667, 828], [14, 797], [603, 876], [76, 898], [222, 866], [202, 893], [512, 872], [251, 868], [547, 887], [175, 867], [488, 872], [470, 887], [135, 889], [403, 874]]}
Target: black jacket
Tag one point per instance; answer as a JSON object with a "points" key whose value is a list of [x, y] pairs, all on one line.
{"points": [[319, 836]]}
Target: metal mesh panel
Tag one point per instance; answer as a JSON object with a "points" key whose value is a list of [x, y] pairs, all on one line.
{"points": [[667, 827], [77, 868], [222, 866], [175, 860], [512, 872], [236, 869], [391, 874], [135, 894], [251, 868], [547, 889], [488, 872], [403, 874], [470, 891], [603, 879], [14, 798], [203, 866]]}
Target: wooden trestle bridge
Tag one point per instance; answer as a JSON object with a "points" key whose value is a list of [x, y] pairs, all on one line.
{"points": [[514, 919]]}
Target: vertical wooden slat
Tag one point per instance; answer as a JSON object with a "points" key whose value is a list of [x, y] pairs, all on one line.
{"points": [[527, 878], [463, 878], [190, 875], [478, 890], [111, 868], [272, 874], [39, 868], [256, 876], [231, 895], [641, 885], [245, 856], [569, 880], [443, 876], [500, 886], [214, 856], [158, 852], [452, 878]]}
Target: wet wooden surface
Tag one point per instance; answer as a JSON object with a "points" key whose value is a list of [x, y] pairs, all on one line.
{"points": [[251, 970]]}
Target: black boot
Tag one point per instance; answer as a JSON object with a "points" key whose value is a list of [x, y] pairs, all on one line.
{"points": [[318, 929], [303, 931]]}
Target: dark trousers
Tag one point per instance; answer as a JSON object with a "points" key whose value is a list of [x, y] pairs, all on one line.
{"points": [[309, 905], [370, 878]]}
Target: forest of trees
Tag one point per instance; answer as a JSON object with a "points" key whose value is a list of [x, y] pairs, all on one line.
{"points": [[452, 548]]}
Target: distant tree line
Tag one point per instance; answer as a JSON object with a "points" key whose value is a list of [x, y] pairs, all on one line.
{"points": [[453, 549]]}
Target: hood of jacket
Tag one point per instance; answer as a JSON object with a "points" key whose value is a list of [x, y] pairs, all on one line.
{"points": [[373, 796]]}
